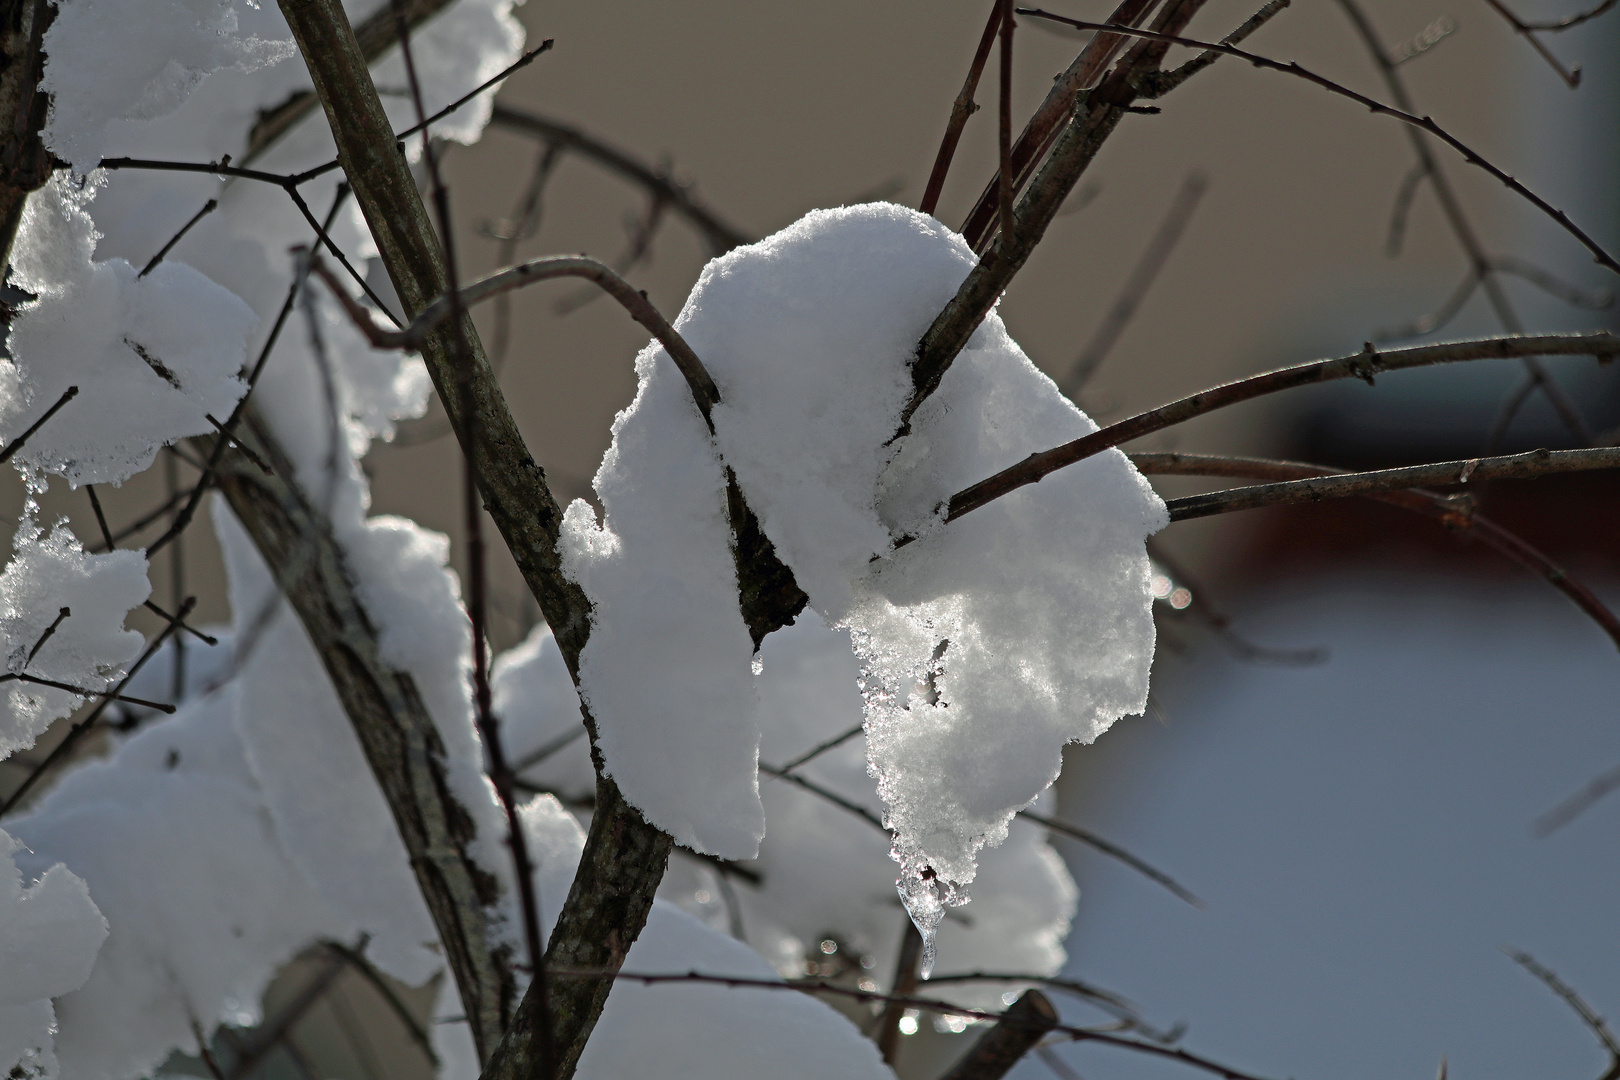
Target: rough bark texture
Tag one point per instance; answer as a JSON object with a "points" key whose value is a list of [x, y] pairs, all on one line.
{"points": [[625, 856], [1000, 1048], [399, 739], [25, 164]]}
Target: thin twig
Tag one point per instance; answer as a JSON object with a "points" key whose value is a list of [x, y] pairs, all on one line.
{"points": [[1114, 851], [46, 636], [720, 235], [704, 392], [208, 208], [357, 960], [1571, 75], [821, 748], [1556, 25], [78, 730], [1566, 993], [17, 444], [1578, 803], [962, 108], [823, 986], [1453, 513], [1136, 286], [1424, 123], [1526, 466], [1461, 227], [1362, 365]]}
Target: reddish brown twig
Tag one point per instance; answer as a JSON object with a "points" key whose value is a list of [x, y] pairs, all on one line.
{"points": [[1449, 512], [961, 109], [1425, 123], [704, 392], [1362, 365], [1043, 127]]}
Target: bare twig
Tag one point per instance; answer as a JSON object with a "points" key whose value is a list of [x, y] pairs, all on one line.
{"points": [[1577, 804], [1526, 466], [436, 313], [17, 444], [1451, 206], [720, 235], [823, 986], [1569, 21], [1138, 283], [356, 959], [1362, 365], [78, 730], [1566, 993], [1057, 146], [50, 631], [208, 208], [1571, 75], [1004, 173], [1423, 123], [1114, 851], [821, 748], [1453, 513], [962, 108]]}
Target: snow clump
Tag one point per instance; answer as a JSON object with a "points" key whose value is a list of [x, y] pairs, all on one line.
{"points": [[985, 645]]}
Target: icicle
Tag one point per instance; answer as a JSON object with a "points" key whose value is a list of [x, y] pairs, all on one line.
{"points": [[926, 897]]}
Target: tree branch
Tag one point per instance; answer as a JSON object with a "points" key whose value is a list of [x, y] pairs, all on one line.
{"points": [[1003, 1046], [1526, 466], [720, 235], [400, 741], [1452, 511], [1363, 365]]}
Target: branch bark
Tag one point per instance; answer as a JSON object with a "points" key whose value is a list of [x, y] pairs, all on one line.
{"points": [[1003, 1046], [1095, 114], [25, 164], [1363, 365], [399, 738]]}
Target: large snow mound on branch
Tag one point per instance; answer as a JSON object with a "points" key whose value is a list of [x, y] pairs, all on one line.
{"points": [[985, 645]]}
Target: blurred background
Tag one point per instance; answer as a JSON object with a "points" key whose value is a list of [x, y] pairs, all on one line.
{"points": [[1358, 717]]}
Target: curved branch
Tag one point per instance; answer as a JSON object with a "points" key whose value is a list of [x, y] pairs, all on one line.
{"points": [[1363, 365], [1426, 123], [721, 235], [439, 311]]}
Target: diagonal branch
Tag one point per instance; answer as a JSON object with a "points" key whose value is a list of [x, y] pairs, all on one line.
{"points": [[1362, 365], [396, 733]]}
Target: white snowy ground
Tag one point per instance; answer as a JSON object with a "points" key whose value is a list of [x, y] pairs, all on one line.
{"points": [[1362, 834]]}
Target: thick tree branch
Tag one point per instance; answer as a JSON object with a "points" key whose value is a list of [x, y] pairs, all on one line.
{"points": [[25, 164], [625, 856], [399, 738]]}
